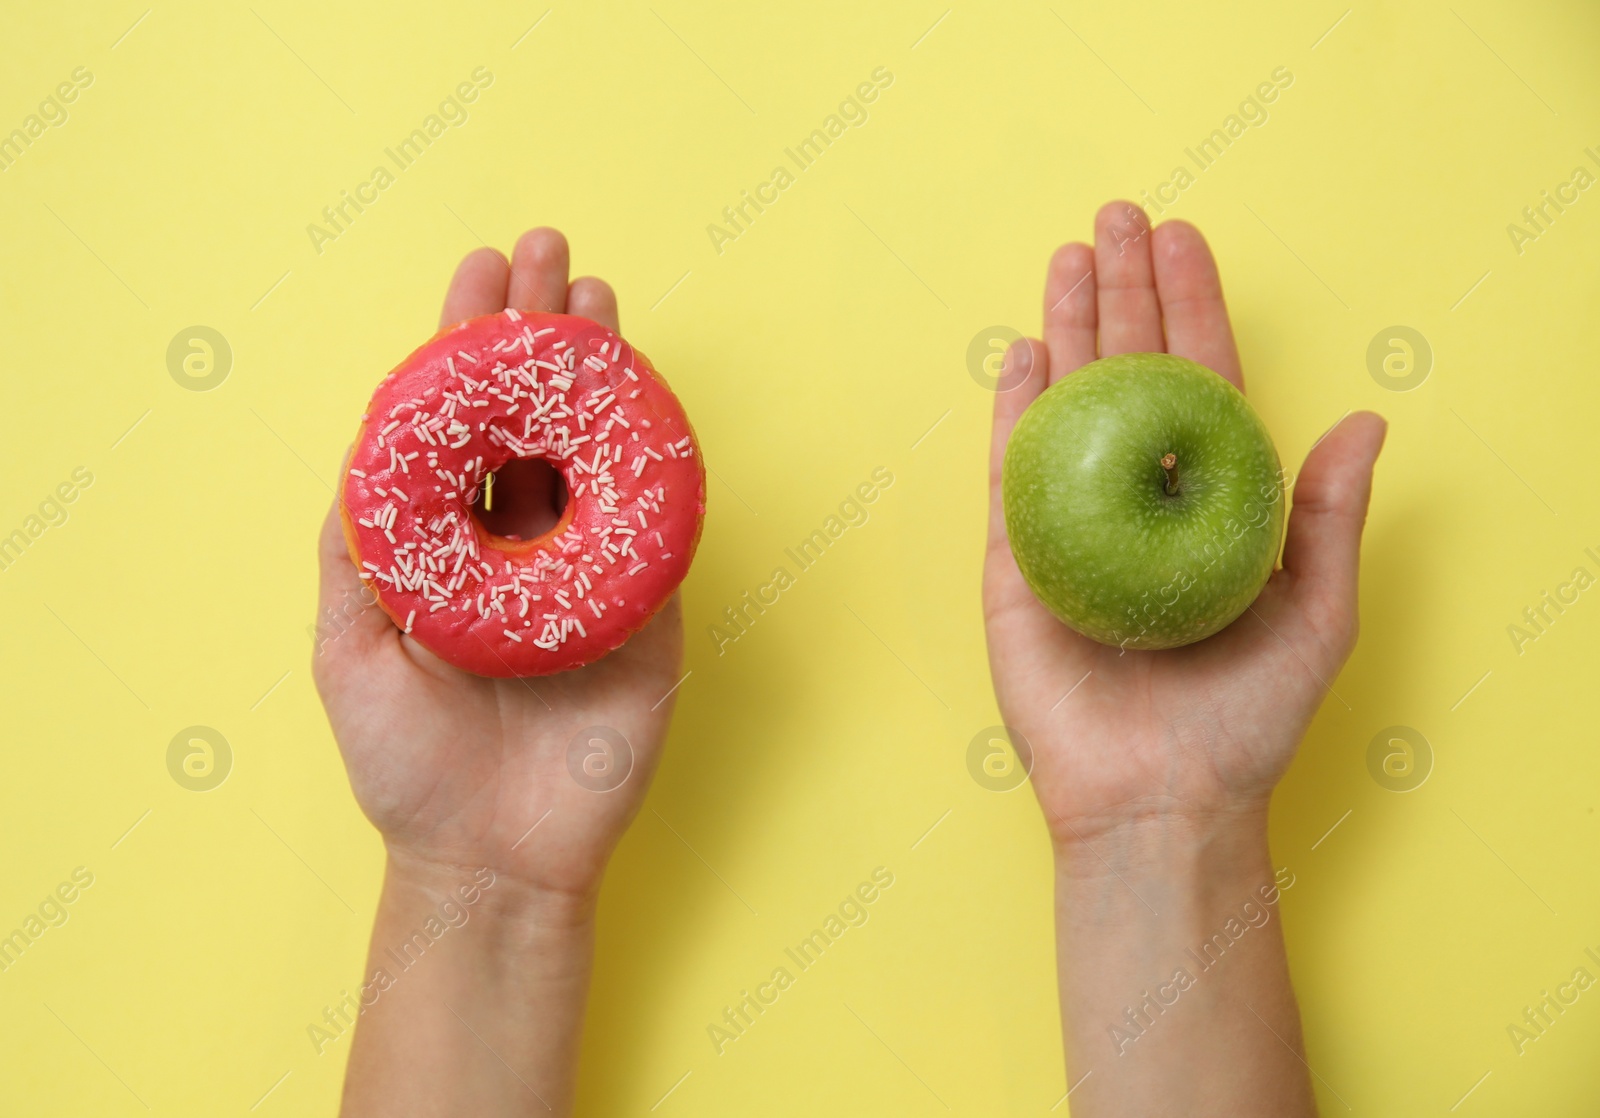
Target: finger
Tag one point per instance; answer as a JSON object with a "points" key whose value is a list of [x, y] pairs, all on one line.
{"points": [[478, 287], [1025, 371], [1193, 313], [539, 272], [593, 299], [1323, 550], [1069, 309], [348, 617], [1130, 312]]}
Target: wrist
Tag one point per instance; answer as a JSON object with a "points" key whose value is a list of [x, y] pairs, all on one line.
{"points": [[471, 973], [1171, 961], [1149, 894], [1226, 844], [523, 909]]}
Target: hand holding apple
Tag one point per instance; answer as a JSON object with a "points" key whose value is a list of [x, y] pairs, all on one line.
{"points": [[1154, 768], [1209, 728]]}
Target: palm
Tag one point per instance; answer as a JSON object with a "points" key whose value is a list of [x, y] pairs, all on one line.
{"points": [[462, 770], [1119, 735]]}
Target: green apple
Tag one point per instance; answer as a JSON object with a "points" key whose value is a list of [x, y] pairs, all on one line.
{"points": [[1144, 501]]}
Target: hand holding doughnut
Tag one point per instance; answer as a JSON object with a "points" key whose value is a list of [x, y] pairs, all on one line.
{"points": [[473, 765]]}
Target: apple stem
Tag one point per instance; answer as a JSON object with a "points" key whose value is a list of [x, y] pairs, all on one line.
{"points": [[1169, 463]]}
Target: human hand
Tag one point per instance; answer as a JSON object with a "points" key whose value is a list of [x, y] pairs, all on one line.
{"points": [[458, 771], [1202, 733]]}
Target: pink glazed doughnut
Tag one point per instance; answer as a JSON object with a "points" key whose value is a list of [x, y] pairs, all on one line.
{"points": [[523, 385]]}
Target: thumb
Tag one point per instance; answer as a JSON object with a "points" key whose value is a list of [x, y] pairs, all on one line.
{"points": [[1005, 594], [1024, 374], [1323, 550], [348, 615]]}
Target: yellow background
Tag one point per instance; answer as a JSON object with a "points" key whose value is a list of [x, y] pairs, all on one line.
{"points": [[822, 344]]}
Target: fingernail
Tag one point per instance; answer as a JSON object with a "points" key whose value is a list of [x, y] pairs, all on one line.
{"points": [[1017, 367], [1019, 358]]}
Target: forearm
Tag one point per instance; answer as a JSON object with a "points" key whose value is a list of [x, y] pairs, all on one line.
{"points": [[1175, 987], [478, 1012]]}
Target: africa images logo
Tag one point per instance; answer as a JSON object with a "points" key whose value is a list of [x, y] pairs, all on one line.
{"points": [[452, 113], [53, 113], [851, 113], [852, 912]]}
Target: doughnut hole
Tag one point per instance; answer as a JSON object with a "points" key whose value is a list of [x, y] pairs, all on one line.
{"points": [[529, 496]]}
